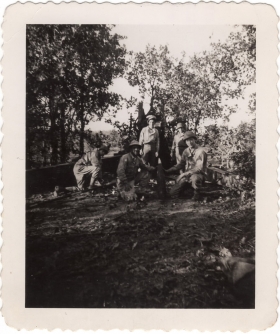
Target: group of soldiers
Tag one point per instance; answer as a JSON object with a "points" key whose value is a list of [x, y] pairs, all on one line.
{"points": [[138, 166]]}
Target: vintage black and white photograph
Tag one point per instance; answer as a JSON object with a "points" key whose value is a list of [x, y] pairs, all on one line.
{"points": [[140, 166]]}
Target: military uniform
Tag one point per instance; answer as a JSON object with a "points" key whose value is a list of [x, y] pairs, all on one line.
{"points": [[149, 140], [89, 164], [131, 170], [193, 160], [178, 146]]}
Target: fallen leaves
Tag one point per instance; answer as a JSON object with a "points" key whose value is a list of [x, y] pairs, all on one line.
{"points": [[145, 254]]}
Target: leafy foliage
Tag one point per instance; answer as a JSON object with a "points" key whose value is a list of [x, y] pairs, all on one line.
{"points": [[234, 147], [69, 71], [198, 89], [245, 157]]}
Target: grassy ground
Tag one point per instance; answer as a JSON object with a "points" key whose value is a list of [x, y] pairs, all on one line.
{"points": [[86, 250]]}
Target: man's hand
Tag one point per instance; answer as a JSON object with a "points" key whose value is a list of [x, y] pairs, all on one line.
{"points": [[141, 152], [156, 154], [127, 187]]}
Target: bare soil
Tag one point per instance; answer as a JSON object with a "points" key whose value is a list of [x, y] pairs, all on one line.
{"points": [[95, 251]]}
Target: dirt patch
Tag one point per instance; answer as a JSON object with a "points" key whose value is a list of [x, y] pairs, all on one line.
{"points": [[97, 251]]}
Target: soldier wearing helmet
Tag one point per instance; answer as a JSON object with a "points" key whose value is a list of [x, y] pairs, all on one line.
{"points": [[131, 170], [194, 165]]}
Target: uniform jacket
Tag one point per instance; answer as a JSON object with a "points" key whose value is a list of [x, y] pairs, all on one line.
{"points": [[149, 136], [194, 160], [90, 158], [128, 167], [179, 143]]}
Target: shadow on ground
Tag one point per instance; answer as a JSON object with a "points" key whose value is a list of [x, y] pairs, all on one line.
{"points": [[94, 251]]}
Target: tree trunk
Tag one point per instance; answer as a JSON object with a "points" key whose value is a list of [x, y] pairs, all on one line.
{"points": [[152, 101], [53, 115], [161, 183], [63, 152], [163, 115], [130, 127], [82, 132], [197, 121]]}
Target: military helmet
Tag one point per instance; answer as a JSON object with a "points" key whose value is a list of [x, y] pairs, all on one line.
{"points": [[189, 134], [180, 126], [134, 143]]}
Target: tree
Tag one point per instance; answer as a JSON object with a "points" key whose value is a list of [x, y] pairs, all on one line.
{"points": [[237, 144], [114, 138], [97, 59], [150, 71], [212, 78], [195, 94], [69, 71], [200, 88]]}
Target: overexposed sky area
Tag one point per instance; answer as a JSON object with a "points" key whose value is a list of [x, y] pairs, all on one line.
{"points": [[179, 38]]}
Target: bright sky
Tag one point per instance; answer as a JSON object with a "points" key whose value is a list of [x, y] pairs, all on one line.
{"points": [[179, 38]]}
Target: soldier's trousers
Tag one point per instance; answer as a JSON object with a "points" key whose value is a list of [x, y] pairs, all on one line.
{"points": [[81, 172], [142, 178], [149, 154], [195, 180]]}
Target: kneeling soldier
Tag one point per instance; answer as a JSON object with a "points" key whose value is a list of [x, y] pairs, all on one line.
{"points": [[90, 165], [132, 170], [193, 163]]}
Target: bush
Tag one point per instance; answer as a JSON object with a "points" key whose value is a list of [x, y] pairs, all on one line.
{"points": [[245, 162]]}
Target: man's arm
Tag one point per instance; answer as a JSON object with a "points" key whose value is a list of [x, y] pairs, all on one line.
{"points": [[96, 161], [121, 170], [180, 165], [141, 140], [144, 166], [93, 158], [141, 137]]}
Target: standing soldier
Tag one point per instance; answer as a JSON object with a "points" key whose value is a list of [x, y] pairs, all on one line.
{"points": [[90, 165], [149, 142], [194, 166], [179, 144], [132, 170]]}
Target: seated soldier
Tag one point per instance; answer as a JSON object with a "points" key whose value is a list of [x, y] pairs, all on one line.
{"points": [[90, 165], [132, 170], [193, 163]]}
